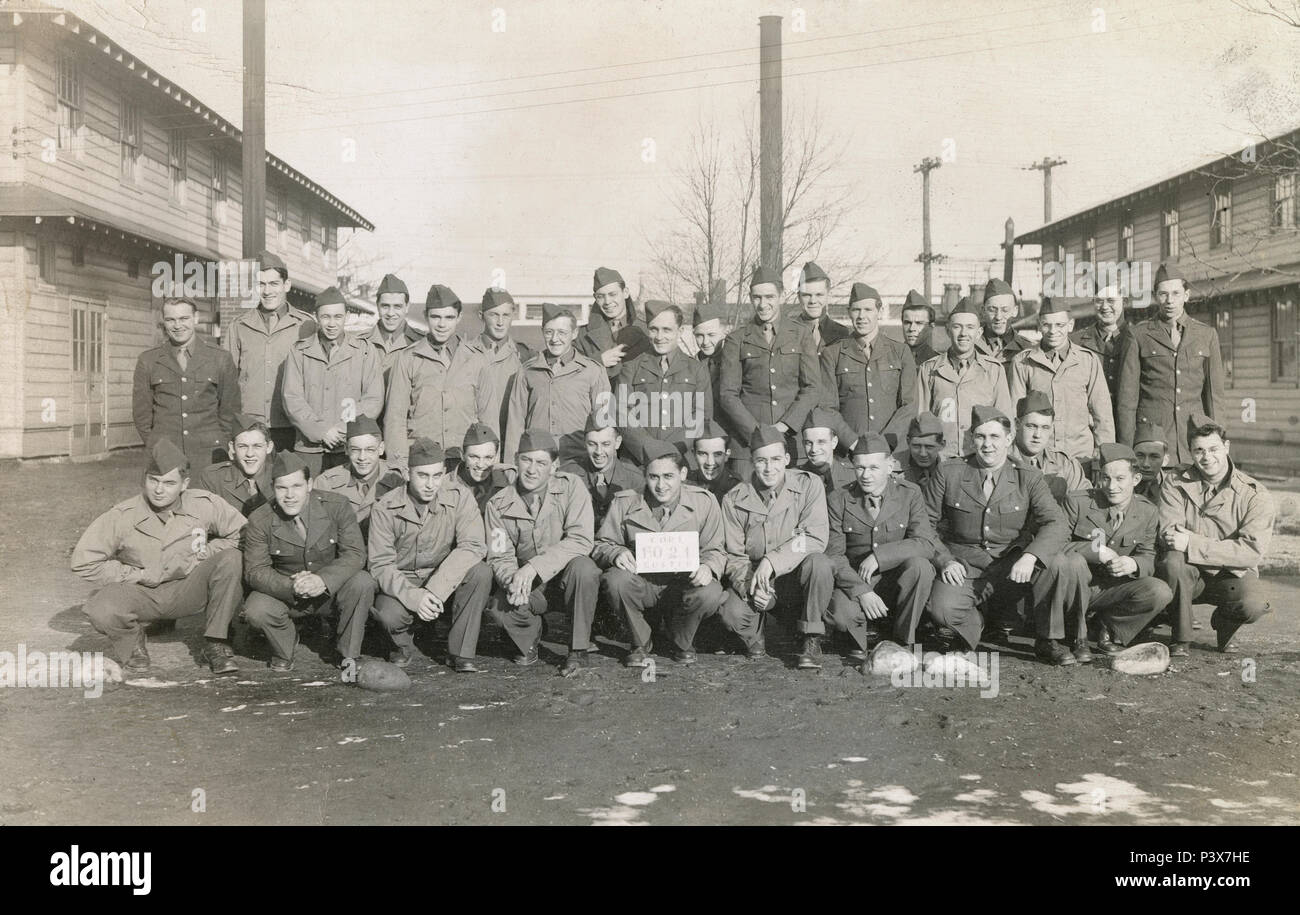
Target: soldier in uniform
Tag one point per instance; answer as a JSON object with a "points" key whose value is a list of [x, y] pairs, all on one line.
{"points": [[950, 385], [1170, 368], [330, 379], [259, 342], [770, 372], [502, 356], [1035, 421], [882, 545], [1113, 550], [924, 448], [1002, 529], [918, 326], [434, 386], [666, 503], [366, 476], [600, 469], [1105, 337], [710, 334], [245, 480], [304, 554], [186, 390], [478, 470], [998, 339], [392, 333], [1152, 455], [558, 389], [166, 553], [1215, 527], [867, 377], [814, 302], [612, 314], [426, 549], [540, 534], [776, 532], [819, 443], [1073, 379], [712, 469]]}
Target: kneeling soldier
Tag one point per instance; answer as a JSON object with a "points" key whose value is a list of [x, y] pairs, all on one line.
{"points": [[1152, 460], [366, 476], [478, 470], [303, 553], [667, 503], [164, 554], [1215, 526], [1113, 553], [1033, 447], [776, 532], [1002, 524], [426, 542], [245, 480], [882, 544], [600, 468], [712, 470], [540, 534], [924, 449], [819, 444]]}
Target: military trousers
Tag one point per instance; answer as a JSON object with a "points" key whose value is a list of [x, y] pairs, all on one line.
{"points": [[990, 594], [673, 596], [1236, 599], [467, 604], [576, 589], [1123, 607], [275, 619], [905, 589]]}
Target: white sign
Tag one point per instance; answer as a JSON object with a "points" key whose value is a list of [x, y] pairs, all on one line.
{"points": [[675, 551]]}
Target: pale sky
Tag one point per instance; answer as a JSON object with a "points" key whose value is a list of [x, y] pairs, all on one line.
{"points": [[522, 150]]}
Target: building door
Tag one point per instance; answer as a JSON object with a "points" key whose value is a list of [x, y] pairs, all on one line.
{"points": [[89, 379]]}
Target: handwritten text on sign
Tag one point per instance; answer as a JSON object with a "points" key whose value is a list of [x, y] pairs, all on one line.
{"points": [[676, 551]]}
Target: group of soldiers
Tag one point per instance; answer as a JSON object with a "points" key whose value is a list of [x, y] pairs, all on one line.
{"points": [[826, 474]]}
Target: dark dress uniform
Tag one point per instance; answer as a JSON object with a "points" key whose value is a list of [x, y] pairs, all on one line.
{"points": [[1109, 350], [191, 407], [1231, 529], [228, 481], [333, 549], [677, 402], [988, 535], [762, 384], [598, 336], [837, 474], [910, 472], [826, 331], [439, 550], [150, 569], [875, 393], [1124, 604], [903, 541], [618, 477], [1163, 386], [714, 365], [632, 594]]}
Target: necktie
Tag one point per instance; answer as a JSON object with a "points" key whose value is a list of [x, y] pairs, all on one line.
{"points": [[659, 513], [989, 483], [873, 506], [1175, 334], [182, 358], [817, 333], [1116, 518], [365, 489], [534, 502], [252, 486], [769, 334], [768, 496], [663, 366], [866, 347], [300, 526], [602, 487]]}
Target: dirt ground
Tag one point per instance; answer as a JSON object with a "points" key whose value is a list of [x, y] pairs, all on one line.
{"points": [[1213, 741]]}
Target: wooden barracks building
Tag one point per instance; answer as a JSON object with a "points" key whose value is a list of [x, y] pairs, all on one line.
{"points": [[1232, 226], [113, 169]]}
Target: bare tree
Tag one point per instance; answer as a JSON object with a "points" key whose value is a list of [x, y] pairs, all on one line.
{"points": [[1287, 13]]}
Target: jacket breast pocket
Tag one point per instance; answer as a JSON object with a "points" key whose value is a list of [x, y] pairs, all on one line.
{"points": [[1011, 516], [851, 378]]}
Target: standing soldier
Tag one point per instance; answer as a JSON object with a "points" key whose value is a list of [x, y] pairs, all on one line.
{"points": [[1152, 455], [366, 476], [161, 555], [776, 532], [868, 377], [600, 469], [502, 356], [1033, 447], [1003, 529], [245, 480], [434, 390], [259, 343], [540, 534], [186, 390], [950, 385], [1170, 368], [1113, 549], [1215, 527], [426, 549], [998, 339], [392, 333], [881, 543], [710, 334], [661, 394], [666, 503], [712, 470], [1073, 379], [1105, 337], [557, 390], [304, 554], [478, 470], [924, 448], [918, 327], [819, 443], [770, 372], [330, 379], [815, 302], [612, 314]]}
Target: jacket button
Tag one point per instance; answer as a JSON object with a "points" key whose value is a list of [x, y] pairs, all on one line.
{"points": [[183, 379], [183, 397], [184, 415], [773, 371]]}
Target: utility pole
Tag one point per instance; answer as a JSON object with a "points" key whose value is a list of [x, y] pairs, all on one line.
{"points": [[254, 142], [928, 164], [1008, 248], [770, 143], [1046, 167]]}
